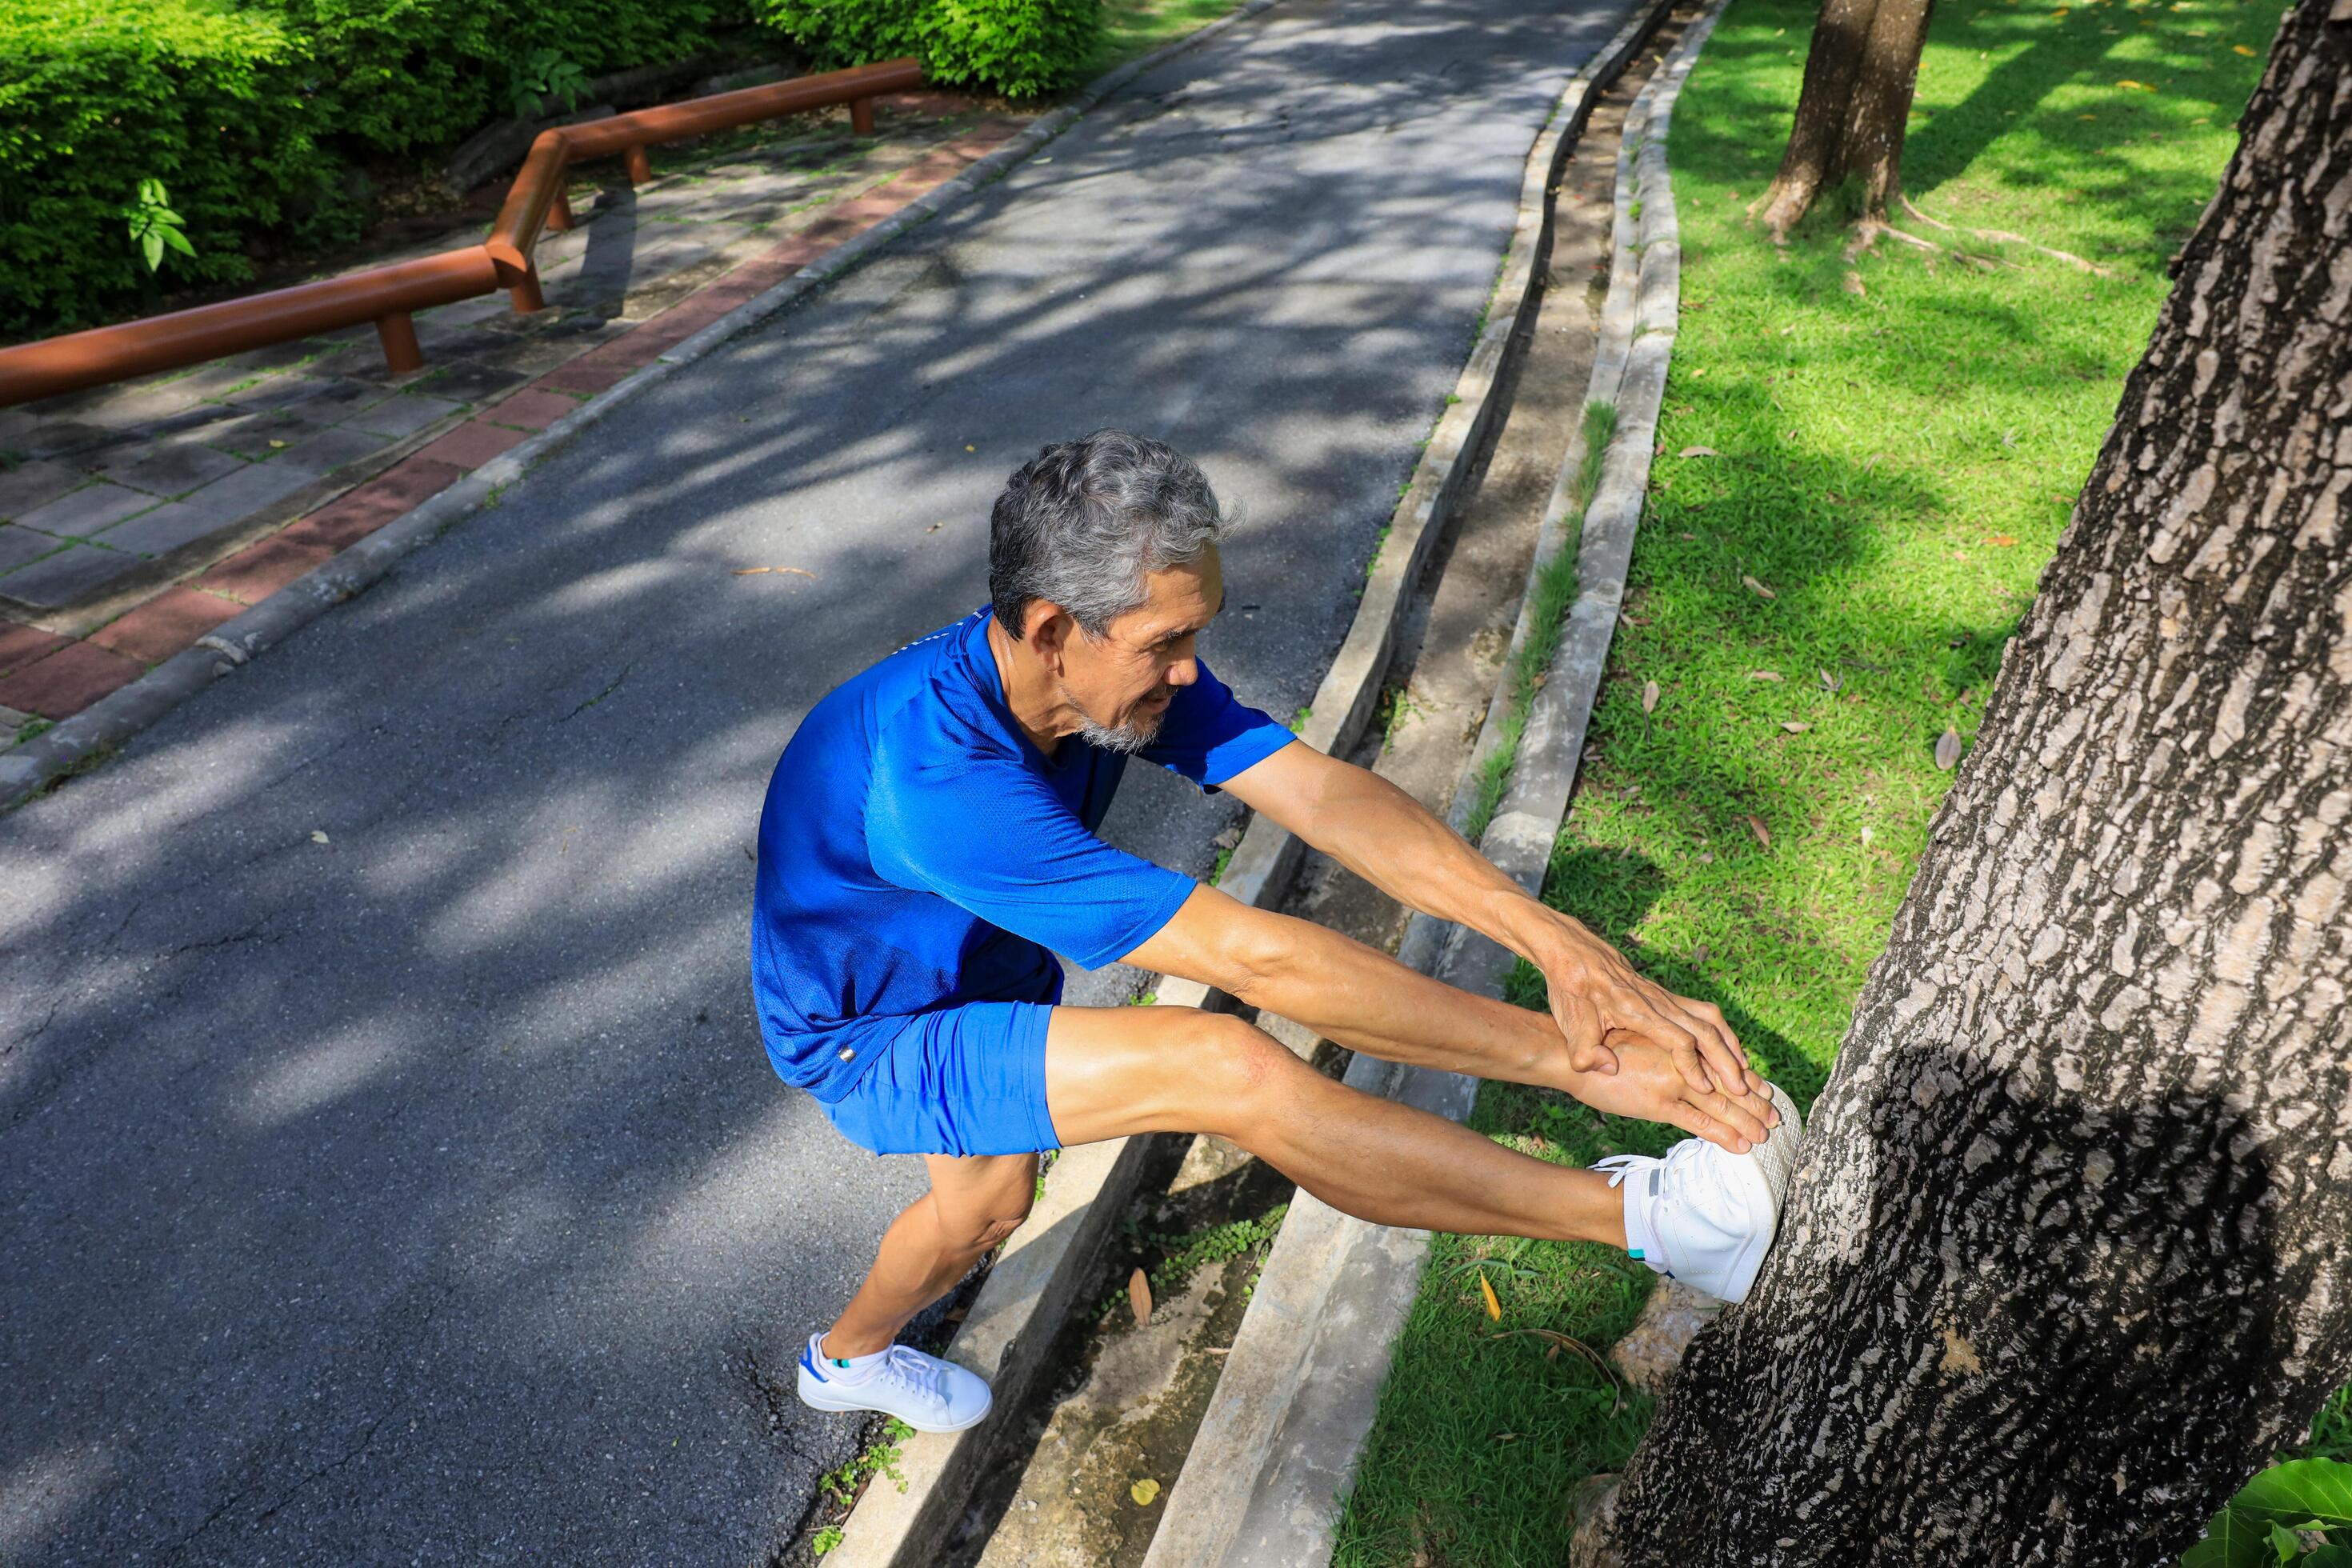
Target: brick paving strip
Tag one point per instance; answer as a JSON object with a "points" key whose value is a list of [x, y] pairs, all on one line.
{"points": [[150, 517]]}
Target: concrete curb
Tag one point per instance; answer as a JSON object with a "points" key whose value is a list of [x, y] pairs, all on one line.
{"points": [[1012, 1322], [1268, 1471], [82, 741]]}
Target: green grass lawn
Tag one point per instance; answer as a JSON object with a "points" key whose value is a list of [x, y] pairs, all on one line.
{"points": [[1132, 27], [1893, 445]]}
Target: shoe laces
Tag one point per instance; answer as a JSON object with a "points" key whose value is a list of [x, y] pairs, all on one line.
{"points": [[915, 1372], [1671, 1168]]}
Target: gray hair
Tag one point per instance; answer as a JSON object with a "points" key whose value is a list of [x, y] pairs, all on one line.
{"points": [[1083, 522]]}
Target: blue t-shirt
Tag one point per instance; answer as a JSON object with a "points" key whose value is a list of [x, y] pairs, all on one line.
{"points": [[918, 852]]}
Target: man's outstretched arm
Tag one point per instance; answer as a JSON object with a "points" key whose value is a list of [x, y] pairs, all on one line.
{"points": [[1347, 992], [1391, 840]]}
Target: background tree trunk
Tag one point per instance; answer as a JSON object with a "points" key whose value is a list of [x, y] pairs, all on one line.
{"points": [[1860, 73], [2066, 1256]]}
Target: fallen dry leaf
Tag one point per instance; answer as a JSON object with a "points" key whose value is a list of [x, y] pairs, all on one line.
{"points": [[2242, 49], [1763, 834], [1948, 750], [1648, 697], [1795, 726], [1145, 1492], [2136, 85], [1759, 589], [2000, 540], [795, 571], [1494, 1308], [1138, 1296], [318, 836], [1699, 953], [1700, 452], [1763, 675], [1830, 682]]}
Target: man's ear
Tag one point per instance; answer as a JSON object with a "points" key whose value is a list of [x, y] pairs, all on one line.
{"points": [[1048, 630]]}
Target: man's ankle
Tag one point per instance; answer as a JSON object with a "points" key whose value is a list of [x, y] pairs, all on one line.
{"points": [[838, 1346]]}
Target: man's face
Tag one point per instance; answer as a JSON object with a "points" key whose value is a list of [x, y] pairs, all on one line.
{"points": [[1123, 681]]}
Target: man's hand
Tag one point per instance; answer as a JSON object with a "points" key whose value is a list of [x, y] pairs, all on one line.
{"points": [[1598, 1000], [1648, 1086]]}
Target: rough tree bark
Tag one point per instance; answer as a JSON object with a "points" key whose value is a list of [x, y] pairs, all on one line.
{"points": [[1860, 73], [2066, 1255]]}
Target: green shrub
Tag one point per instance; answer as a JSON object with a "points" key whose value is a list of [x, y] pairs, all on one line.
{"points": [[1019, 47], [253, 117], [402, 75], [96, 97]]}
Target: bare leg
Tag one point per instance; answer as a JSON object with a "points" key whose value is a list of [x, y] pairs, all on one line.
{"points": [[974, 1202], [1112, 1071]]}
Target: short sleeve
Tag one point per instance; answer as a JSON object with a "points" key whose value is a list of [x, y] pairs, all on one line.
{"points": [[1210, 736], [990, 836]]}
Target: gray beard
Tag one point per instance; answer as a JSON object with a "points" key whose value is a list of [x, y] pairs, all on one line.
{"points": [[1129, 738]]}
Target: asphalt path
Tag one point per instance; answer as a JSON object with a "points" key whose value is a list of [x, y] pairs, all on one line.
{"points": [[392, 1172]]}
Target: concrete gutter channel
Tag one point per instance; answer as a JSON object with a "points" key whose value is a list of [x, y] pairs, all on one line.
{"points": [[89, 737], [1267, 1467]]}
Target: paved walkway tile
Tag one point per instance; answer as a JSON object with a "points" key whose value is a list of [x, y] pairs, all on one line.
{"points": [[129, 515], [68, 680], [164, 624]]}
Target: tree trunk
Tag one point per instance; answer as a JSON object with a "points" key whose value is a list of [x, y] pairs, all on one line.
{"points": [[2066, 1255], [1860, 73], [1872, 148]]}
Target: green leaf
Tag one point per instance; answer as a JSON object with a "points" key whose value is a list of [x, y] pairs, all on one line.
{"points": [[165, 215], [2302, 1492], [2231, 1541], [2330, 1556], [151, 194], [177, 241], [2285, 1542], [151, 245]]}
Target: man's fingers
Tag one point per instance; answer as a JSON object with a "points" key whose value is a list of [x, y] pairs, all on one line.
{"points": [[1580, 1022], [1692, 1119], [1738, 1115], [1727, 1063], [1679, 1042]]}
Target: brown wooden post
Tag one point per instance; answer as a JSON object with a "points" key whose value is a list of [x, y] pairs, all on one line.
{"points": [[558, 216], [640, 168], [398, 332], [861, 116]]}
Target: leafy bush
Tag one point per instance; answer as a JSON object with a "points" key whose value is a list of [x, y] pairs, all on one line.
{"points": [[253, 117], [1019, 47], [96, 97], [2298, 1512]]}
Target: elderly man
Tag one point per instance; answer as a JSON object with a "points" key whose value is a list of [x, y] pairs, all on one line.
{"points": [[928, 845]]}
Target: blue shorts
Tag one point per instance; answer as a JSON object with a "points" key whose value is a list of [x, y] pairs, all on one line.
{"points": [[963, 1081]]}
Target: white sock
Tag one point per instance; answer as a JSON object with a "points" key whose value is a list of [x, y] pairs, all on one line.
{"points": [[841, 1369]]}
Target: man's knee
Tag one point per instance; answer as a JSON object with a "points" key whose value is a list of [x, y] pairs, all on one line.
{"points": [[976, 1220], [1243, 1070]]}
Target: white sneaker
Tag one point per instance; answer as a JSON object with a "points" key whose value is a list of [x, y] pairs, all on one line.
{"points": [[1703, 1214], [925, 1393]]}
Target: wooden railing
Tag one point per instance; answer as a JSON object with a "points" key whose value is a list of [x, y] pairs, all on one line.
{"points": [[389, 296]]}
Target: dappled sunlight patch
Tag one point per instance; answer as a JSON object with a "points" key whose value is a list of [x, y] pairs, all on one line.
{"points": [[40, 1495], [307, 1079]]}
